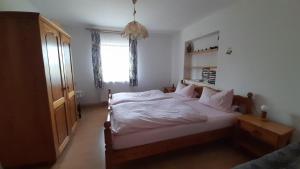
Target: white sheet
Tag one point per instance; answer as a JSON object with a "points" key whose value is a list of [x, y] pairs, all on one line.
{"points": [[215, 120], [138, 96], [136, 117]]}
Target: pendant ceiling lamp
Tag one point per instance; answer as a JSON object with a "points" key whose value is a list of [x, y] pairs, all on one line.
{"points": [[134, 30]]}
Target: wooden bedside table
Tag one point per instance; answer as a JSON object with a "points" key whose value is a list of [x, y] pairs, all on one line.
{"points": [[260, 137], [169, 89]]}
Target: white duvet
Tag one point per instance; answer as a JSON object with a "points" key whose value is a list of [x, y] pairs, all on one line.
{"points": [[138, 96], [136, 117]]}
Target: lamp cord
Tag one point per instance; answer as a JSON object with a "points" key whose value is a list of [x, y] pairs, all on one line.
{"points": [[134, 11]]}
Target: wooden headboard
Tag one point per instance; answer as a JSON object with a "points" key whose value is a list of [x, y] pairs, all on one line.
{"points": [[244, 104]]}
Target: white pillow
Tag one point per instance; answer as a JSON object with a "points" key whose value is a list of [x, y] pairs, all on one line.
{"points": [[206, 95], [218, 100], [179, 87], [187, 91]]}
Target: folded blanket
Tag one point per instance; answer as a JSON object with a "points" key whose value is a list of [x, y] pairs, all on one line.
{"points": [[136, 117], [138, 96]]}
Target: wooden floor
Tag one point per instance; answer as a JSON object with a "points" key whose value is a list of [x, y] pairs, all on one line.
{"points": [[86, 150]]}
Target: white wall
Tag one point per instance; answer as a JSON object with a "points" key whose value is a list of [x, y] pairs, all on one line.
{"points": [[17, 5], [154, 65], [264, 36], [177, 58]]}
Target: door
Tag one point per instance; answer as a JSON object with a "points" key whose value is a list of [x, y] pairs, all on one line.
{"points": [[56, 84], [71, 98]]}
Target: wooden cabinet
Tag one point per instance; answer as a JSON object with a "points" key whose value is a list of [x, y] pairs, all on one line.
{"points": [[56, 82], [259, 136], [38, 101], [66, 50]]}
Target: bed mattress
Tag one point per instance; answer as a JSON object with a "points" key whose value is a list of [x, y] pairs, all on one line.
{"points": [[215, 120]]}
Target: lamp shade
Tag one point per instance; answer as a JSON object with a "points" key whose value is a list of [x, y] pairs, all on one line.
{"points": [[264, 108], [135, 30]]}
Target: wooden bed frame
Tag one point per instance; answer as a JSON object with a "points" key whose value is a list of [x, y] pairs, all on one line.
{"points": [[115, 157]]}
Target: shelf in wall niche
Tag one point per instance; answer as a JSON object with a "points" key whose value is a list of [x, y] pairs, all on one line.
{"points": [[198, 60], [198, 83], [204, 66], [204, 52]]}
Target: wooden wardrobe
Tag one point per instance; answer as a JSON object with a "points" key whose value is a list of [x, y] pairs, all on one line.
{"points": [[38, 105]]}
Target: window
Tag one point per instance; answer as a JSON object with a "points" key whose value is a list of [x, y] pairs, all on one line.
{"points": [[115, 62]]}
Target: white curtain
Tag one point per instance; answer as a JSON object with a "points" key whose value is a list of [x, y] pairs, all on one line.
{"points": [[115, 58]]}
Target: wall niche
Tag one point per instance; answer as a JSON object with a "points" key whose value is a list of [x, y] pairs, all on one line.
{"points": [[200, 60]]}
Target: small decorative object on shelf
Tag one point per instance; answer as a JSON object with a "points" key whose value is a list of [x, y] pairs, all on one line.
{"points": [[264, 110], [212, 77], [189, 47], [205, 73], [214, 47], [203, 52]]}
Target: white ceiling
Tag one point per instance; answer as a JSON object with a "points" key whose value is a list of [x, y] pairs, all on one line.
{"points": [[156, 15]]}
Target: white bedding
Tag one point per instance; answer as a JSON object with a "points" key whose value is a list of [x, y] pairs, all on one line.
{"points": [[215, 120], [179, 97], [136, 117], [138, 96]]}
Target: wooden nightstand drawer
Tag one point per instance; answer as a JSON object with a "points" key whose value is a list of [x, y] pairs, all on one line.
{"points": [[260, 133], [266, 136], [247, 126]]}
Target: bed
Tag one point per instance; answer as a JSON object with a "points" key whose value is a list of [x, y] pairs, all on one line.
{"points": [[285, 158], [215, 120], [121, 148]]}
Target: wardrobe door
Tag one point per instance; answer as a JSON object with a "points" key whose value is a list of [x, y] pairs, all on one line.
{"points": [[66, 48], [56, 84]]}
